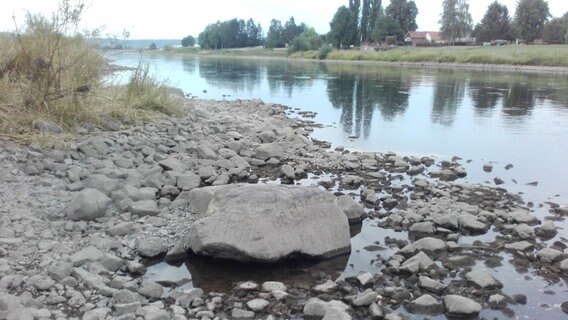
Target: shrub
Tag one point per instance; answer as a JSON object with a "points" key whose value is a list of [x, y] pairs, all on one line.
{"points": [[324, 51]]}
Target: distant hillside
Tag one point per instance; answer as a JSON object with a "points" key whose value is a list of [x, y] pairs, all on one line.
{"points": [[137, 43]]}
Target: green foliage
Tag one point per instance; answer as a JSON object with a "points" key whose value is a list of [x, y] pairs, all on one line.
{"points": [[555, 30], [188, 41], [307, 40], [279, 36], [456, 20], [530, 18], [404, 13], [386, 26], [341, 30], [324, 51], [494, 25], [231, 34]]}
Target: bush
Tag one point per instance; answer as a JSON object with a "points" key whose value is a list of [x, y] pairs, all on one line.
{"points": [[324, 51]]}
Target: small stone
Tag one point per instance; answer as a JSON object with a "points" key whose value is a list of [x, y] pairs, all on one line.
{"points": [[461, 306], [497, 301], [152, 290], [365, 278], [425, 304], [270, 286], [88, 204], [257, 304], [88, 254], [144, 208], [365, 298], [237, 313], [248, 286], [431, 285], [152, 247], [483, 279], [60, 270], [41, 282], [326, 287], [549, 255]]}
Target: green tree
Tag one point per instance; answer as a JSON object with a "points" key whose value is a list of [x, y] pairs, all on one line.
{"points": [[188, 41], [404, 13], [274, 36], [494, 25], [555, 30], [530, 18], [340, 33], [354, 31], [456, 20], [369, 14], [291, 30], [385, 26]]}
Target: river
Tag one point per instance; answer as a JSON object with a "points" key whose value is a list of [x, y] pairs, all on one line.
{"points": [[480, 117]]}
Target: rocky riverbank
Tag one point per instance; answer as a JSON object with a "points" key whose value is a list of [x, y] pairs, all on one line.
{"points": [[78, 222]]}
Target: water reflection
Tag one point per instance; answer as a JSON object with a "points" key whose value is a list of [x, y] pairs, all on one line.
{"points": [[359, 94], [288, 77], [230, 74], [448, 97]]}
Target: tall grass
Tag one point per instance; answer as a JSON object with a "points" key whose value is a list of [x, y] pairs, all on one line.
{"points": [[51, 71]]}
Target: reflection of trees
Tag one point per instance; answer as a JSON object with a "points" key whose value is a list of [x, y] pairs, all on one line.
{"points": [[484, 97], [519, 101], [289, 76], [232, 74], [448, 96], [189, 64], [357, 95]]}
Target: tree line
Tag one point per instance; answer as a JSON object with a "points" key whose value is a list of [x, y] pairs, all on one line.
{"points": [[363, 21]]}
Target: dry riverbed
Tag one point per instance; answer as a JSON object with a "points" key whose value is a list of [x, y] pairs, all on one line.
{"points": [[77, 223]]}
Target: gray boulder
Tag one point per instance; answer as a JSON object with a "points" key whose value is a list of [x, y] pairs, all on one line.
{"points": [[352, 209], [269, 150], [483, 279], [425, 304], [88, 204], [267, 223], [458, 306]]}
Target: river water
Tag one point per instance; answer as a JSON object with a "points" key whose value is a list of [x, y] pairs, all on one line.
{"points": [[481, 117]]}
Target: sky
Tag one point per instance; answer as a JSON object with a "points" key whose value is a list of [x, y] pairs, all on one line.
{"points": [[175, 19]]}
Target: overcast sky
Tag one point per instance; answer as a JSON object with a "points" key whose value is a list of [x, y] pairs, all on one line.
{"points": [[174, 19]]}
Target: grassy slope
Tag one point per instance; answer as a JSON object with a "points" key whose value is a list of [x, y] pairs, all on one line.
{"points": [[551, 56]]}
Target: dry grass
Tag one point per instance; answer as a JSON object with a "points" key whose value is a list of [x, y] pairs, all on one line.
{"points": [[50, 71]]}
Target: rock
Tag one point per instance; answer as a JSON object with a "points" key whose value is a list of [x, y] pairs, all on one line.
{"points": [[47, 126], [176, 253], [88, 204], [268, 223], [365, 278], [549, 255], [352, 209], [376, 312], [369, 196], [237, 313], [497, 301], [419, 262], [111, 262], [188, 181], [564, 307], [488, 167], [422, 229], [425, 304], [458, 306], [522, 216], [144, 208], [173, 164], [365, 298], [257, 304], [564, 265], [204, 152], [269, 286], [334, 314], [248, 286], [151, 290], [87, 254], [428, 245], [120, 229], [152, 247], [267, 136], [94, 282], [469, 222], [102, 183], [96, 314], [60, 270], [287, 172], [269, 150], [326, 287], [483, 279], [315, 307], [431, 285], [524, 231], [520, 246], [157, 315], [41, 282], [546, 230]]}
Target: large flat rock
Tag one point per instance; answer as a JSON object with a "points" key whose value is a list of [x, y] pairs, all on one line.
{"points": [[267, 223]]}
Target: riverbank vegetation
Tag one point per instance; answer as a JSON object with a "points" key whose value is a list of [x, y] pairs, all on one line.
{"points": [[53, 80]]}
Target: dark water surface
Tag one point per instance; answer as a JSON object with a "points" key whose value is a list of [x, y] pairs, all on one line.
{"points": [[503, 118]]}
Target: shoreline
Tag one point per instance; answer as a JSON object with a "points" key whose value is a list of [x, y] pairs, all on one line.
{"points": [[94, 266], [532, 69]]}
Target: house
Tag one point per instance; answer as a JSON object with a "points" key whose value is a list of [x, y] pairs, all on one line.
{"points": [[424, 38]]}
